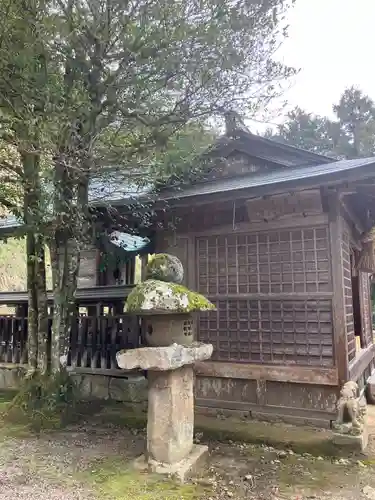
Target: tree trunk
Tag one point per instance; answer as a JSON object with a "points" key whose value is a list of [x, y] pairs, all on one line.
{"points": [[33, 305], [44, 353], [70, 205], [36, 275], [65, 258]]}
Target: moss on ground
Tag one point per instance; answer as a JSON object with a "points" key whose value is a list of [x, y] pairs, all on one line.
{"points": [[111, 480], [6, 397], [8, 428]]}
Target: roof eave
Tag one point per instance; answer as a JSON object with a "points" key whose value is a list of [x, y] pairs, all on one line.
{"points": [[330, 178]]}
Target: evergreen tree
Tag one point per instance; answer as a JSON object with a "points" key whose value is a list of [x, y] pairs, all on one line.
{"points": [[350, 135]]}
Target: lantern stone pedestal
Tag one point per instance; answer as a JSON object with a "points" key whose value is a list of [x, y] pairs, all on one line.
{"points": [[170, 419]]}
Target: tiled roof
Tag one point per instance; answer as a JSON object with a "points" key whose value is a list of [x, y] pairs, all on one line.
{"points": [[326, 171], [115, 188], [109, 190], [268, 150]]}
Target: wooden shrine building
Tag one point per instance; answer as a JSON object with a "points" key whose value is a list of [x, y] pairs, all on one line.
{"points": [[276, 237]]}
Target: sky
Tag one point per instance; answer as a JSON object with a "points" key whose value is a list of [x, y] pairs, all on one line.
{"points": [[332, 42]]}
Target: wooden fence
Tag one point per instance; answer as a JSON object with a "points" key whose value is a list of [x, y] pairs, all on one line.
{"points": [[94, 340], [13, 339]]}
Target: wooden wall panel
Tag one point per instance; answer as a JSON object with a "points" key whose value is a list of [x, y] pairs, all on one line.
{"points": [[300, 396], [287, 261], [273, 296], [270, 331], [280, 206], [87, 276], [226, 389], [262, 399]]}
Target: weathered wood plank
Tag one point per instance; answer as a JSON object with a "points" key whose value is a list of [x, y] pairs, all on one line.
{"points": [[293, 374], [244, 227], [272, 208], [308, 414]]}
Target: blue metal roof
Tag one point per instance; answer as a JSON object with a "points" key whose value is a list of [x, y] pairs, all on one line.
{"points": [[128, 242], [9, 222]]}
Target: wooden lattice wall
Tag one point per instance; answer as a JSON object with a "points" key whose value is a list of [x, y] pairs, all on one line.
{"points": [[272, 295], [366, 307], [349, 267], [348, 299]]}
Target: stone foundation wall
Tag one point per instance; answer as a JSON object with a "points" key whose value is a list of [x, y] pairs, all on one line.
{"points": [[10, 378], [129, 389], [132, 389]]}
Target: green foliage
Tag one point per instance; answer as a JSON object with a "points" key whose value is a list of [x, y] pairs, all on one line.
{"points": [[307, 131], [43, 402], [179, 157], [88, 89], [13, 265], [85, 85], [356, 117], [350, 135]]}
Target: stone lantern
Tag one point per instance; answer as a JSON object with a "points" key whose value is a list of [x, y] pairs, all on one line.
{"points": [[167, 308]]}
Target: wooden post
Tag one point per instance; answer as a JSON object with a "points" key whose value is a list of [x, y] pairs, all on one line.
{"points": [[21, 310], [144, 260], [91, 310], [331, 202], [118, 307]]}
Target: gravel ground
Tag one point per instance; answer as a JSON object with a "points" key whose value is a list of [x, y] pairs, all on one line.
{"points": [[57, 467], [46, 468]]}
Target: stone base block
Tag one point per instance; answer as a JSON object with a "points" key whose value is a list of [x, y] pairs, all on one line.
{"points": [[182, 470], [353, 443]]}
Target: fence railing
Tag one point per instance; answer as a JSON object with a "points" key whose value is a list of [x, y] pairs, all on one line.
{"points": [[94, 340], [13, 339]]}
